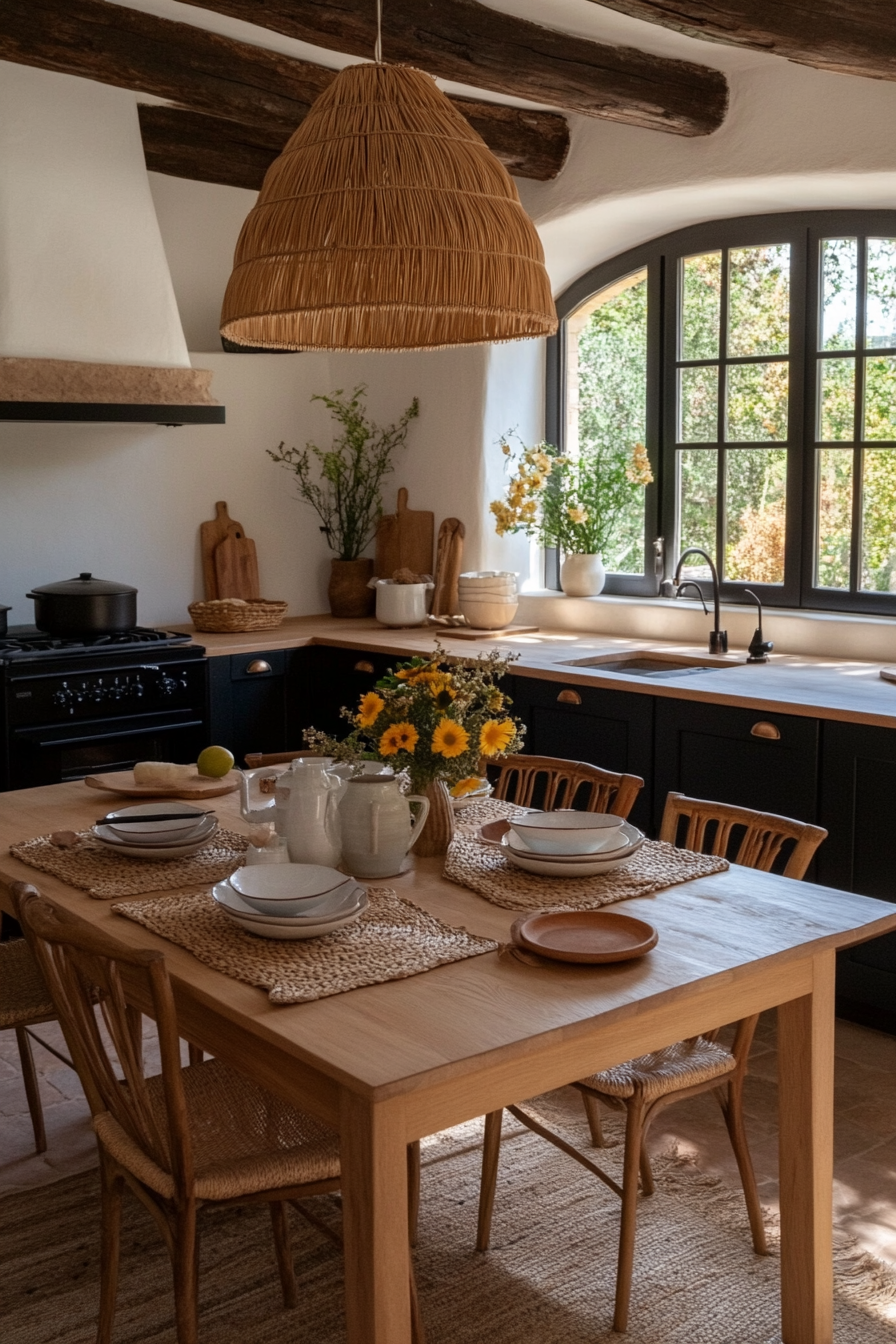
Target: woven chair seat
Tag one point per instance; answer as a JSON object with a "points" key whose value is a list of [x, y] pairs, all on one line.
{"points": [[244, 1138], [677, 1066], [24, 997]]}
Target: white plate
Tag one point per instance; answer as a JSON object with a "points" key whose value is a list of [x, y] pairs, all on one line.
{"points": [[630, 839], [201, 831], [544, 867], [159, 852], [332, 906], [293, 930], [156, 830]]}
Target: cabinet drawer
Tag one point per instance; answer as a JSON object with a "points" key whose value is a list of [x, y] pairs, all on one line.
{"points": [[752, 758]]}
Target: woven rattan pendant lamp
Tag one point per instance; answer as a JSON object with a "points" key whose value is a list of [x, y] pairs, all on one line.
{"points": [[386, 224]]}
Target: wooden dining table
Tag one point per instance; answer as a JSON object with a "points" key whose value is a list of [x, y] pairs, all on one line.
{"points": [[391, 1063]]}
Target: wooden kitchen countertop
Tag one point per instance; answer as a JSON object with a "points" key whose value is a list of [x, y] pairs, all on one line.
{"points": [[828, 688]]}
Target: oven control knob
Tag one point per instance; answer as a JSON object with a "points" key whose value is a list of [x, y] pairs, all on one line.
{"points": [[167, 685], [63, 696]]}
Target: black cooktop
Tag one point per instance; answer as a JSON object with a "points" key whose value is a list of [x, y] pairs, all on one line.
{"points": [[26, 641]]}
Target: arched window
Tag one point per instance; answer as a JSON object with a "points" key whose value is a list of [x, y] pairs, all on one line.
{"points": [[756, 358]]}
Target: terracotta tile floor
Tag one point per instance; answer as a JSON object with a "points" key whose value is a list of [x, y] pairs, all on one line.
{"points": [[865, 1127]]}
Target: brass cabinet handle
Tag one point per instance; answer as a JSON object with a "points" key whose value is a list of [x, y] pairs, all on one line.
{"points": [[258, 665], [569, 698], [767, 730], [364, 666]]}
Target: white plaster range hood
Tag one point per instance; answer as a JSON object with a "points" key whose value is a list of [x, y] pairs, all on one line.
{"points": [[89, 327]]}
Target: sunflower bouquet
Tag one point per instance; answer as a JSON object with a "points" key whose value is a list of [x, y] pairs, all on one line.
{"points": [[433, 721]]}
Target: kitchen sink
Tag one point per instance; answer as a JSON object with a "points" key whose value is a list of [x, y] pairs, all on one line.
{"points": [[652, 665]]}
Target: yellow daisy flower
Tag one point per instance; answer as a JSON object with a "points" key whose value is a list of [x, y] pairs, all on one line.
{"points": [[464, 786], [400, 737], [496, 737], [450, 739], [369, 710]]}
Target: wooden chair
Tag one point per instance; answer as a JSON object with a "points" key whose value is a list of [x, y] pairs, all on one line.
{"points": [[181, 1139], [254, 759], [645, 1086], [557, 783], [25, 1002]]}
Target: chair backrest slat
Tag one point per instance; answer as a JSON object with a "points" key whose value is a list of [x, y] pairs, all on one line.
{"points": [[554, 783], [714, 827], [86, 972]]}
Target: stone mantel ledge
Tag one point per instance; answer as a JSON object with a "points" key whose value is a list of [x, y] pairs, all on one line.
{"points": [[67, 380]]}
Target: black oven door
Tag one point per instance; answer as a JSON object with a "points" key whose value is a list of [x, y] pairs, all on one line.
{"points": [[55, 755]]}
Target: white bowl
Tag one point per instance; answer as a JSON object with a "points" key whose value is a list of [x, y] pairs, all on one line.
{"points": [[551, 866], [155, 831], [491, 615], [567, 832], [486, 576], [283, 888], [486, 591]]}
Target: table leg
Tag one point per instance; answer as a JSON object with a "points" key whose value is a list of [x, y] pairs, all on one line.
{"points": [[375, 1219], [806, 1089]]}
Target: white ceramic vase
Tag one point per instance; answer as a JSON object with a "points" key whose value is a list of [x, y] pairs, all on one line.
{"points": [[582, 575]]}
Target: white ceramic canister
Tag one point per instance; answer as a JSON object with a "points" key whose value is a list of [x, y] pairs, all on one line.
{"points": [[307, 812], [582, 575], [376, 826], [400, 604]]}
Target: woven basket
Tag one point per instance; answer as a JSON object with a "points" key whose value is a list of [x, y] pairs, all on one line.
{"points": [[224, 617]]}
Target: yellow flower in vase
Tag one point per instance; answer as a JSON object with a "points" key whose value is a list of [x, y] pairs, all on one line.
{"points": [[400, 737], [450, 739], [496, 737], [369, 710]]}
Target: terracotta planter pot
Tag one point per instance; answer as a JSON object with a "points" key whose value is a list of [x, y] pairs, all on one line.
{"points": [[348, 591], [438, 829]]}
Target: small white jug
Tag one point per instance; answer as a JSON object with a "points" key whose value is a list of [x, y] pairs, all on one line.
{"points": [[307, 802], [375, 824]]}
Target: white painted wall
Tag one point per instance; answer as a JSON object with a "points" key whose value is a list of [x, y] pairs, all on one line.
{"points": [[83, 274]]}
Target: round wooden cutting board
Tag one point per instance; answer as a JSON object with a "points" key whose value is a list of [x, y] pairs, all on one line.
{"points": [[200, 787]]}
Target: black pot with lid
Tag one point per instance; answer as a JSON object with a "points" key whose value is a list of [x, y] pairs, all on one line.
{"points": [[84, 606]]}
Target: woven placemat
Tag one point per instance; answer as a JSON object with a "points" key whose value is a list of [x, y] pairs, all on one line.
{"points": [[106, 875], [392, 940], [485, 870]]}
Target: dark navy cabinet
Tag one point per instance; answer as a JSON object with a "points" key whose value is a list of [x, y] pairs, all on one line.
{"points": [[247, 701]]}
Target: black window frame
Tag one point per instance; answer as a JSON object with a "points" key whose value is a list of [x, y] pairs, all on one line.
{"points": [[804, 231]]}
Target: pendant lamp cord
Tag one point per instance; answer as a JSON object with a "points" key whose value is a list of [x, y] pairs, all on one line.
{"points": [[378, 49]]}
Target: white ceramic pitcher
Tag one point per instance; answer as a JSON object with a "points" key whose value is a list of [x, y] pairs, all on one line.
{"points": [[376, 827], [307, 812]]}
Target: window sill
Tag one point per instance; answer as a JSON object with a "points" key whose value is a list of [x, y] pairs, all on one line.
{"points": [[820, 634]]}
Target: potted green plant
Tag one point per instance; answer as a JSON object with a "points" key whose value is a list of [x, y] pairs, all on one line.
{"points": [[571, 503], [342, 484]]}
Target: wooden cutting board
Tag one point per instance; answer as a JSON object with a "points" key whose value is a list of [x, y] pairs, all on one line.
{"points": [[449, 555], [404, 540], [122, 781], [211, 535], [236, 567]]}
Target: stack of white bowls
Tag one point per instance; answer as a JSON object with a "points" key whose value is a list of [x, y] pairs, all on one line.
{"points": [[570, 844], [290, 900], [132, 830], [488, 598]]}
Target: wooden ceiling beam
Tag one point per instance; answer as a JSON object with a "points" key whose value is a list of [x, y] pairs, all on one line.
{"points": [[465, 41], [211, 149], [227, 80], [850, 37]]}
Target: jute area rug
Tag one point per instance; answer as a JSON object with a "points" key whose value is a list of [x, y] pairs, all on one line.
{"points": [[548, 1278]]}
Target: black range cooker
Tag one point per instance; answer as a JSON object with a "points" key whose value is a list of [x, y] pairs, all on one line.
{"points": [[78, 706]]}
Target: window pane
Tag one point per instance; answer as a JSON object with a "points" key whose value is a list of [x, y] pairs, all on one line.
{"points": [[759, 300], [880, 313], [701, 305], [836, 400], [697, 502], [607, 401], [756, 411], [879, 521], [839, 293], [698, 405], [756, 480], [880, 397], [834, 517]]}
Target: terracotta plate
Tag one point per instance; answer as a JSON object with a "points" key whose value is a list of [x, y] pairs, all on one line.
{"points": [[585, 935], [200, 787]]}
